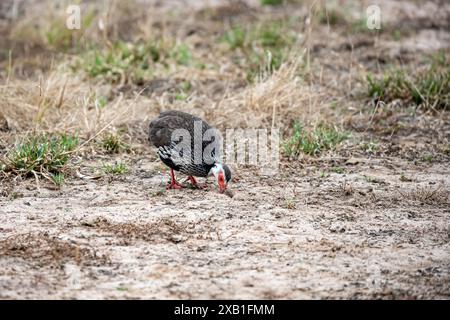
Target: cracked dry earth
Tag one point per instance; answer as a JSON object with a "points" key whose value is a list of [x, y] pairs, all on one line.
{"points": [[367, 233]]}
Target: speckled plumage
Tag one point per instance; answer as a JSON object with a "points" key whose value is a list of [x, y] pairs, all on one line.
{"points": [[170, 152]]}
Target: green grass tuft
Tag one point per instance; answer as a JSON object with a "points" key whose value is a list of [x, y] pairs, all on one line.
{"points": [[118, 168], [331, 16], [112, 143], [428, 158], [58, 179], [338, 170], [133, 63], [272, 2], [278, 2], [183, 90], [44, 155], [370, 146], [182, 55], [263, 47], [312, 143], [122, 62], [235, 37], [429, 88], [58, 36]]}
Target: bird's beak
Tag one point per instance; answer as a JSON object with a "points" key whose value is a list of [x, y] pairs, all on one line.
{"points": [[222, 187], [221, 182]]}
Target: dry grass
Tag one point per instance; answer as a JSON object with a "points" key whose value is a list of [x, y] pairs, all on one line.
{"points": [[427, 195], [275, 100], [64, 99]]}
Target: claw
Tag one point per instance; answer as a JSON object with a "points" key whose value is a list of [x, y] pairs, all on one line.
{"points": [[195, 183], [173, 183]]}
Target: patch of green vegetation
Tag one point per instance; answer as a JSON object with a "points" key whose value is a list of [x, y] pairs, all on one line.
{"points": [[360, 26], [333, 105], [112, 143], [338, 170], [272, 2], [432, 87], [51, 31], [429, 88], [135, 63], [183, 90], [235, 37], [101, 101], [264, 46], [331, 16], [321, 138], [123, 62], [44, 155], [278, 2], [428, 158], [370, 179], [323, 174], [182, 54], [388, 86], [370, 146], [404, 178], [117, 168], [397, 35], [58, 179], [289, 204], [58, 36], [181, 96]]}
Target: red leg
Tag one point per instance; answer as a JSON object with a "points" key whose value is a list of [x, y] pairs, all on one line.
{"points": [[173, 183], [195, 183]]}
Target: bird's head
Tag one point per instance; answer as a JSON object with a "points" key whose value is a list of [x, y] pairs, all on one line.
{"points": [[223, 175]]}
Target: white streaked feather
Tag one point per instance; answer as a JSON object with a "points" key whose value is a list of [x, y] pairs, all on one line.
{"points": [[173, 152]]}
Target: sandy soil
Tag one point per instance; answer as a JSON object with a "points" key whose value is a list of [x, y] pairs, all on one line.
{"points": [[298, 235]]}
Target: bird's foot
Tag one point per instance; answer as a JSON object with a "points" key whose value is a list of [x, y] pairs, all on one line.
{"points": [[196, 184], [174, 185]]}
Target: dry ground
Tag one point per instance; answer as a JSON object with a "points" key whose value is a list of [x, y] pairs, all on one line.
{"points": [[368, 219]]}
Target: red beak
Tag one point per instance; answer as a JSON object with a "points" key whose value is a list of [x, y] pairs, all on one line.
{"points": [[221, 183], [222, 188]]}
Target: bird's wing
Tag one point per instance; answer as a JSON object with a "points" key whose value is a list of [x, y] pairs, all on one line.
{"points": [[161, 129], [176, 153]]}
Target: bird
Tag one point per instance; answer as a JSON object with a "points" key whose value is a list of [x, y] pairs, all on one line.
{"points": [[197, 154]]}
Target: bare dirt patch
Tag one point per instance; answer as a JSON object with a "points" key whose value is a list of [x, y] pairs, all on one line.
{"points": [[43, 249], [313, 237]]}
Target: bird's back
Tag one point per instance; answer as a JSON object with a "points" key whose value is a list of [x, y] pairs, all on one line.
{"points": [[162, 128], [161, 135]]}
